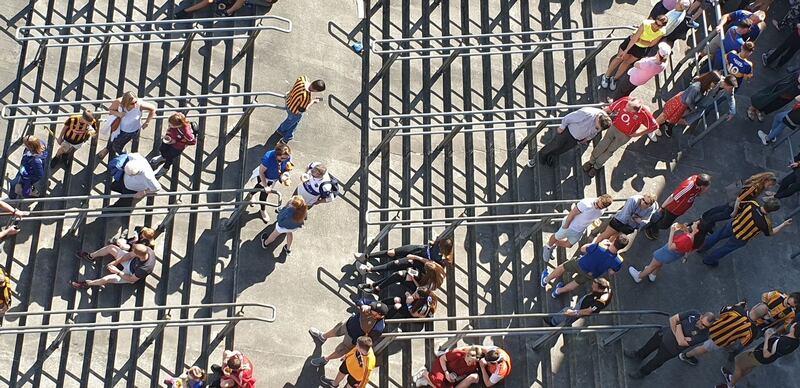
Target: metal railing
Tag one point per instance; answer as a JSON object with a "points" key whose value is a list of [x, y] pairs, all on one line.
{"points": [[467, 220], [463, 47], [468, 120], [72, 316], [149, 31], [63, 109]]}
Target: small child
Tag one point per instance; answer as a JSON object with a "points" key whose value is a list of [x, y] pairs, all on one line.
{"points": [[193, 377]]}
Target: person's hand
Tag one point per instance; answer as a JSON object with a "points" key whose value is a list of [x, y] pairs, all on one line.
{"points": [[794, 165], [10, 231], [145, 125], [769, 332], [451, 377], [113, 269], [676, 227], [60, 140], [364, 308], [571, 313], [787, 222], [720, 29], [20, 213], [140, 195], [729, 118]]}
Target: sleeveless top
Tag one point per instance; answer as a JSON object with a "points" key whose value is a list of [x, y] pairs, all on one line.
{"points": [[648, 35], [132, 121]]}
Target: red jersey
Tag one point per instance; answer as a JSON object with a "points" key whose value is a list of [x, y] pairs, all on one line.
{"points": [[683, 243], [629, 122], [683, 197]]}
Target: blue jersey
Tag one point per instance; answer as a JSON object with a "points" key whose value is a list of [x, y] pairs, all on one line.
{"points": [[738, 66]]}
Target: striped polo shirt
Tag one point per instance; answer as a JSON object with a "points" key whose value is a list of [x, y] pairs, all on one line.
{"points": [[298, 98], [750, 221], [731, 326], [78, 132], [778, 309]]}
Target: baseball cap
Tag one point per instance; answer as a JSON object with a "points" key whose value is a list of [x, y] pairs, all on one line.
{"points": [[664, 49], [379, 307], [685, 3]]}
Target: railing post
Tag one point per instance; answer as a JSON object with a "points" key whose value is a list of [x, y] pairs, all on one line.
{"points": [[381, 235], [234, 217], [168, 218], [250, 41], [182, 52], [450, 229], [385, 342], [451, 342], [613, 338], [103, 48], [73, 230], [39, 59], [242, 119]]}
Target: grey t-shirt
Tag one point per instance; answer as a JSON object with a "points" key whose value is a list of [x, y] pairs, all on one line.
{"points": [[141, 268]]}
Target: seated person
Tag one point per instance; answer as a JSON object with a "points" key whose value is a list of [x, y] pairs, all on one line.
{"points": [[407, 256], [432, 277], [598, 260], [127, 267], [421, 303], [587, 305]]}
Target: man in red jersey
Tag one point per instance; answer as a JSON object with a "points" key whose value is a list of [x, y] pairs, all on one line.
{"points": [[678, 203]]}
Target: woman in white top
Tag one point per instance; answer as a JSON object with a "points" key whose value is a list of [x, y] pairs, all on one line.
{"points": [[126, 113]]}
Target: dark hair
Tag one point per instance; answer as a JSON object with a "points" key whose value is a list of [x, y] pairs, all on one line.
{"points": [[707, 80], [748, 46], [234, 363], [772, 205], [317, 86], [745, 23], [602, 282], [621, 241], [605, 121], [795, 296], [703, 180], [446, 249], [426, 298], [364, 341], [492, 356], [88, 116], [703, 230], [282, 149], [662, 19], [730, 79]]}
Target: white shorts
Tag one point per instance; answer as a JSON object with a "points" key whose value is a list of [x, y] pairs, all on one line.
{"points": [[67, 146], [126, 269], [280, 229], [709, 345], [570, 235]]}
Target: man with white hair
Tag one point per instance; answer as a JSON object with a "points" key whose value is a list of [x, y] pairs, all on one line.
{"points": [[132, 174], [643, 71]]}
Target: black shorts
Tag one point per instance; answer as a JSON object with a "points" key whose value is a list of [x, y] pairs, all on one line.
{"points": [[620, 227], [351, 381], [635, 51]]}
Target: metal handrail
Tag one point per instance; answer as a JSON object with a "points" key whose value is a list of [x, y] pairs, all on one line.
{"points": [[39, 106], [375, 126], [144, 35], [477, 205], [447, 51], [516, 331], [129, 325], [520, 316]]}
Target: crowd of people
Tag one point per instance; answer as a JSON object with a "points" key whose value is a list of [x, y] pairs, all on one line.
{"points": [[406, 281]]}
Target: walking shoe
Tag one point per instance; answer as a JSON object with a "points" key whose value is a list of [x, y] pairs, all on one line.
{"points": [[650, 235], [631, 354], [634, 274], [326, 382], [85, 256], [763, 136], [264, 216], [689, 360], [612, 85], [653, 137], [319, 361], [547, 253], [668, 130], [636, 375], [54, 162], [421, 378], [727, 375], [286, 251], [692, 24], [604, 81], [531, 163], [156, 160], [542, 277], [555, 294], [360, 256], [592, 172], [651, 277], [587, 166], [317, 335], [364, 268]]}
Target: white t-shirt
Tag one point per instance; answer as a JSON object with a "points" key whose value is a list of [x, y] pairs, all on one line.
{"points": [[145, 179], [589, 213]]}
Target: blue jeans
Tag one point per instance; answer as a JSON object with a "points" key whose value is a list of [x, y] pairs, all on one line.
{"points": [[288, 126], [731, 244], [777, 126]]}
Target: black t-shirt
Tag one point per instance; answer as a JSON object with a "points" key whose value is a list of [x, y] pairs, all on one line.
{"points": [[688, 321], [595, 300], [785, 345]]}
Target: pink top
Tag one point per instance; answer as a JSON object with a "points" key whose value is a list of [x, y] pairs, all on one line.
{"points": [[645, 69], [669, 4]]}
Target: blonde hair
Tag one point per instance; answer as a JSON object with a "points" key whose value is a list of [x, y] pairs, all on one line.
{"points": [[127, 99], [148, 234], [33, 144], [300, 208]]}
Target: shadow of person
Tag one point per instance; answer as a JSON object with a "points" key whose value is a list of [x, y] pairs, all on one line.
{"points": [[310, 375]]}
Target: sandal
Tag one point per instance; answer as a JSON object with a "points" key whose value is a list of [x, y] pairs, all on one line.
{"points": [[751, 113], [760, 116], [84, 255], [264, 240], [79, 285]]}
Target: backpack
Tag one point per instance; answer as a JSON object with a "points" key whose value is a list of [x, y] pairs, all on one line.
{"points": [[116, 167], [195, 132]]}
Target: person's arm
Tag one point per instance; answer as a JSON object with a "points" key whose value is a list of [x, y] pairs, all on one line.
{"points": [[570, 118], [10, 231], [765, 349], [14, 211], [780, 227], [443, 364], [262, 177], [626, 213], [672, 231], [485, 376], [114, 108], [585, 247], [650, 126], [417, 258], [677, 330], [634, 38], [199, 5], [731, 105], [668, 201], [571, 216], [722, 22], [151, 111], [235, 7]]}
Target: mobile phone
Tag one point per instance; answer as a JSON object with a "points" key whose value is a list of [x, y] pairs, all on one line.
{"points": [[15, 223], [413, 272]]}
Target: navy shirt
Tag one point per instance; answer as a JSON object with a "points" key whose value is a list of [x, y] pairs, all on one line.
{"points": [[598, 260], [738, 16], [354, 325], [286, 218], [274, 168]]}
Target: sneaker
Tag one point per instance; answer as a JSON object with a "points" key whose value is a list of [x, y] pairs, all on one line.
{"points": [[156, 160], [652, 136], [764, 57], [366, 285], [542, 278], [651, 235], [592, 172], [54, 162], [651, 277], [727, 375], [604, 81], [634, 274], [612, 85], [763, 136], [286, 251], [317, 335], [326, 382], [555, 294], [264, 216], [587, 166], [692, 24], [531, 163], [319, 361], [630, 354], [668, 130], [364, 268], [547, 253], [161, 171], [689, 360], [360, 256], [84, 255]]}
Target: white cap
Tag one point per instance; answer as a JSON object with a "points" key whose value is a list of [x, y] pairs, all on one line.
{"points": [[685, 3], [132, 168], [664, 50]]}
